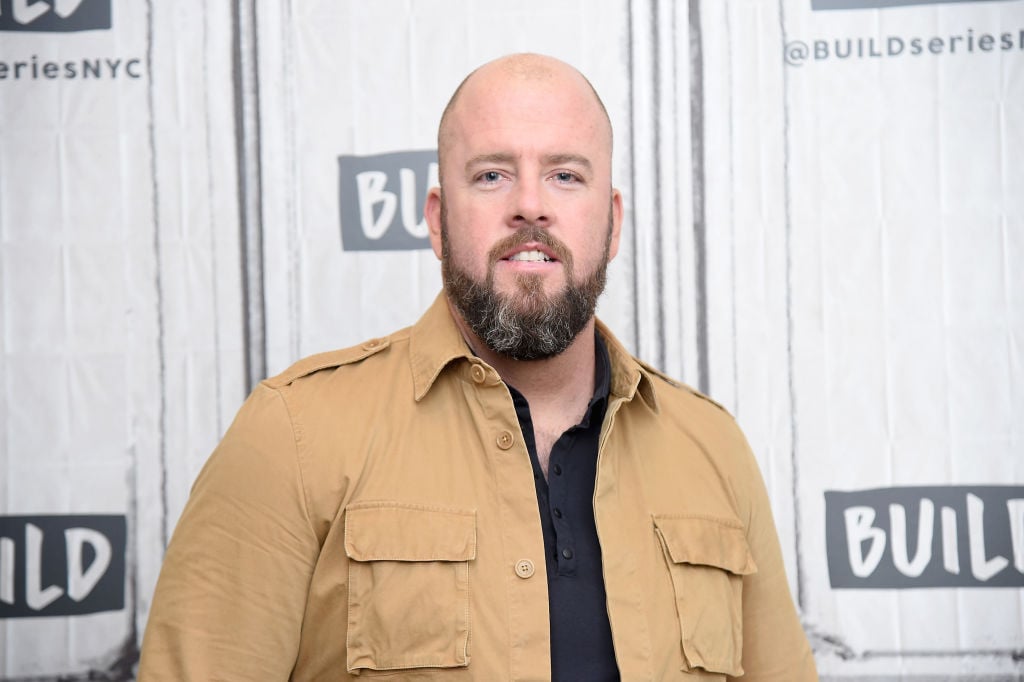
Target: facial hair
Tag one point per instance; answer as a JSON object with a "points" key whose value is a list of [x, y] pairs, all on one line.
{"points": [[526, 324]]}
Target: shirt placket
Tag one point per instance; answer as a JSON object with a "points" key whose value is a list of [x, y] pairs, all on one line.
{"points": [[558, 505]]}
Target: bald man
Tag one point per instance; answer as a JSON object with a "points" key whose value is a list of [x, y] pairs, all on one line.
{"points": [[499, 492]]}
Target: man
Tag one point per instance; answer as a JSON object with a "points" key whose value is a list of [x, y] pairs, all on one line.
{"points": [[499, 492]]}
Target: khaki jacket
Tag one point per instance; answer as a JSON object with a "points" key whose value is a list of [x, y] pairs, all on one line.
{"points": [[372, 512]]}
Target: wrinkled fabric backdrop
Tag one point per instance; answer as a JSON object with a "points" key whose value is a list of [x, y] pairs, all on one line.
{"points": [[824, 231]]}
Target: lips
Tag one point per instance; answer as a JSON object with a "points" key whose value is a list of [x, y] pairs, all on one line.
{"points": [[530, 253], [530, 257]]}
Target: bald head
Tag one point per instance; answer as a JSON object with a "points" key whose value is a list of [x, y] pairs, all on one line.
{"points": [[496, 79]]}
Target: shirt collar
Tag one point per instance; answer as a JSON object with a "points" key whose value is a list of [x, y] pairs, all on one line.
{"points": [[602, 381], [602, 369], [435, 343]]}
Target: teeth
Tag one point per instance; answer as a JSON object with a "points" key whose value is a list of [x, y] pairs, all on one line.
{"points": [[530, 256]]}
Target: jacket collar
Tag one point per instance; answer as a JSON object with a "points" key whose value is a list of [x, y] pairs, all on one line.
{"points": [[629, 376], [435, 342]]}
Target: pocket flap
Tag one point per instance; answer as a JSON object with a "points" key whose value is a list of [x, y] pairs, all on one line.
{"points": [[391, 531], [707, 542]]}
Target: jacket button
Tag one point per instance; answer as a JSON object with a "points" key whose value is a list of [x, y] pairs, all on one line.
{"points": [[505, 440], [478, 373], [373, 344], [524, 568]]}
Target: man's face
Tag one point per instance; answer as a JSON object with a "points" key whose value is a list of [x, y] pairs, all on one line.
{"points": [[526, 221]]}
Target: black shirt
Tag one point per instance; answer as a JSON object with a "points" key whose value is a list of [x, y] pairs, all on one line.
{"points": [[581, 639]]}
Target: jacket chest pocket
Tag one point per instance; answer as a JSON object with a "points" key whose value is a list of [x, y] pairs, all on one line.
{"points": [[707, 559], [408, 586]]}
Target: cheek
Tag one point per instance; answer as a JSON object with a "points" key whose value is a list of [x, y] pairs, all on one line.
{"points": [[466, 253], [592, 245], [472, 231]]}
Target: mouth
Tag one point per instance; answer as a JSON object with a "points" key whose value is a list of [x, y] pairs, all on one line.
{"points": [[530, 253]]}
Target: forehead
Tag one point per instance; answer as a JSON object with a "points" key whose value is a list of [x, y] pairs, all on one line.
{"points": [[551, 111]]}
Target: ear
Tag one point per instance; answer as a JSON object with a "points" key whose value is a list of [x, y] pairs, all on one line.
{"points": [[432, 212], [613, 247]]}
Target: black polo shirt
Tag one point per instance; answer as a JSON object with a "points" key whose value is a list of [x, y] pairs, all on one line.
{"points": [[581, 638]]}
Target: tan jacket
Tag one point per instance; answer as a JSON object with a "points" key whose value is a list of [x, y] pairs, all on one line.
{"points": [[372, 512]]}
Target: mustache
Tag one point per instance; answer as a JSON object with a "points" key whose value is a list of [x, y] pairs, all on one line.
{"points": [[526, 235]]}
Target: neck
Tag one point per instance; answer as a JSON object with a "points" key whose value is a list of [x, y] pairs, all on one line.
{"points": [[567, 377]]}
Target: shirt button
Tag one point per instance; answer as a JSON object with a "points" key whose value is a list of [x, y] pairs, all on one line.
{"points": [[557, 512], [524, 568], [567, 553], [557, 469], [478, 373], [505, 440]]}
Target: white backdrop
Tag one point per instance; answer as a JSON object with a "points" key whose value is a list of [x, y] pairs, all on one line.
{"points": [[824, 230]]}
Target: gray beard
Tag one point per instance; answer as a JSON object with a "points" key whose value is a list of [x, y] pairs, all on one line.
{"points": [[527, 324]]}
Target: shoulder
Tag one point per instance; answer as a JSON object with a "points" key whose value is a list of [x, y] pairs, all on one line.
{"points": [[334, 359], [685, 414], [675, 390]]}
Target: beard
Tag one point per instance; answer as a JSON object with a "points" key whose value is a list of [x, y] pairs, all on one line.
{"points": [[526, 324]]}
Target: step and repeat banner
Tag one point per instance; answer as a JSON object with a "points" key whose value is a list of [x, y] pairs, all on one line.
{"points": [[824, 231], [865, 212]]}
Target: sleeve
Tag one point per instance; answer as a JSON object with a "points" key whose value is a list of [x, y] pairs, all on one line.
{"points": [[775, 648], [232, 591]]}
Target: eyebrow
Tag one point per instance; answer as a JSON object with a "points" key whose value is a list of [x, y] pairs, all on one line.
{"points": [[549, 160], [484, 159], [568, 159]]}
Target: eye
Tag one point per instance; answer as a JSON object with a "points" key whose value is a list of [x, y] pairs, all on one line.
{"points": [[565, 177], [490, 177]]}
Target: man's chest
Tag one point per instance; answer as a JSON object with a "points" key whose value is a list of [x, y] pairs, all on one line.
{"points": [[434, 559]]}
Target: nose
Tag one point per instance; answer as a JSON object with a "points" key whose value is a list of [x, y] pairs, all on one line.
{"points": [[529, 205]]}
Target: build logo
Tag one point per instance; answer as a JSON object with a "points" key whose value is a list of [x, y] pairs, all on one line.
{"points": [[61, 565], [58, 16], [876, 4], [942, 536], [381, 199]]}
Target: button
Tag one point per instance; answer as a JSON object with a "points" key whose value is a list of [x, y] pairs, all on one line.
{"points": [[567, 553], [478, 373], [557, 469], [524, 568], [505, 440], [557, 512], [374, 344]]}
